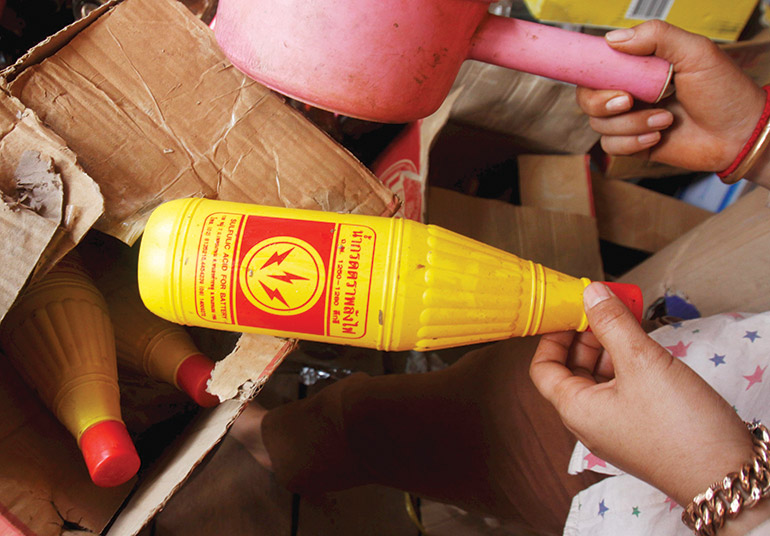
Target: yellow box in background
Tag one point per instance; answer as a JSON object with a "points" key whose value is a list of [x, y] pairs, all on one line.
{"points": [[717, 19]]}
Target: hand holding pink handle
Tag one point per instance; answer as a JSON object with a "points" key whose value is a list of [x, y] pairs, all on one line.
{"points": [[573, 57]]}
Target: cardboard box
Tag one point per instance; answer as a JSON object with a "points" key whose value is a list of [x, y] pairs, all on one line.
{"points": [[632, 167], [626, 214], [716, 19], [48, 202], [560, 183], [540, 115], [141, 94], [153, 118], [642, 219], [719, 266], [559, 240]]}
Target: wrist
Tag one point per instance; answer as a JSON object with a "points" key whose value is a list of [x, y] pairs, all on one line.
{"points": [[728, 505], [709, 464], [704, 451], [754, 148], [748, 520]]}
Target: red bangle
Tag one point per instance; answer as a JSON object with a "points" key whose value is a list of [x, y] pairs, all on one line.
{"points": [[763, 120]]}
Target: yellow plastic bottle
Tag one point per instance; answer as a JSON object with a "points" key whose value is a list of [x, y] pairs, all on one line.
{"points": [[59, 336], [383, 283], [156, 347]]}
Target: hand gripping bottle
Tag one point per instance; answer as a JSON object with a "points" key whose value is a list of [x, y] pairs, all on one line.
{"points": [[382, 283], [156, 347], [59, 336]]}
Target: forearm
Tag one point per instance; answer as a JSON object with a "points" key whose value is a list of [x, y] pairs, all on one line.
{"points": [[477, 435], [709, 464]]}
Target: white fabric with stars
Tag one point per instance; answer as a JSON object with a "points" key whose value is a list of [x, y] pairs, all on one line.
{"points": [[731, 352]]}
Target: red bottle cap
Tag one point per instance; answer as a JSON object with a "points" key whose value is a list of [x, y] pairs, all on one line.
{"points": [[631, 295], [109, 453], [193, 375]]}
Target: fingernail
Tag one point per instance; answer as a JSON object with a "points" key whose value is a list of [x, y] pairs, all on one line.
{"points": [[618, 36], [618, 104], [595, 293], [660, 120], [649, 138]]}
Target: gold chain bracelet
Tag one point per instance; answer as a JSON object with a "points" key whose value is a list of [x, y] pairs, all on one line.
{"points": [[726, 499]]}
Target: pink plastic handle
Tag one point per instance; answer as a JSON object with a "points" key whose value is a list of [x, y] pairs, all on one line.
{"points": [[573, 57]]}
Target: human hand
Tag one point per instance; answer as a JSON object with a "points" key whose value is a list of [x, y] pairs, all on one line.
{"points": [[703, 127], [631, 403]]}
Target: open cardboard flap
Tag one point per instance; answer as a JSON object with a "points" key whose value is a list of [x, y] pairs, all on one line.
{"points": [[152, 109], [639, 218], [155, 112], [565, 242], [540, 114], [48, 202]]}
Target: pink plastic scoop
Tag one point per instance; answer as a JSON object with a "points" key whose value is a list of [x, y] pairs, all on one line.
{"points": [[395, 60]]}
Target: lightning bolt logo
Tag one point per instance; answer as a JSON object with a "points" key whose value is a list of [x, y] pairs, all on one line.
{"points": [[283, 275], [274, 294], [277, 258], [288, 277]]}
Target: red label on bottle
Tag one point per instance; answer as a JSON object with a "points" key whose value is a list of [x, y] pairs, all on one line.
{"points": [[289, 275]]}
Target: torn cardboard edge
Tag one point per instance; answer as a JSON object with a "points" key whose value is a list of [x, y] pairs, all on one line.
{"points": [[207, 430], [32, 246], [39, 187]]}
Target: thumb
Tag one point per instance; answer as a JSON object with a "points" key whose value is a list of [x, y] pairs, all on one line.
{"points": [[680, 47], [616, 328]]}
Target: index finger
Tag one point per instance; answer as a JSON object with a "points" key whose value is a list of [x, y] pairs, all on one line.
{"points": [[603, 102], [549, 371]]}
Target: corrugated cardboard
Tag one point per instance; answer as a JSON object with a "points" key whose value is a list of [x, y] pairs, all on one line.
{"points": [[638, 218], [632, 167], [560, 183], [720, 265], [713, 18], [139, 90], [541, 115], [155, 112], [565, 242], [28, 236]]}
